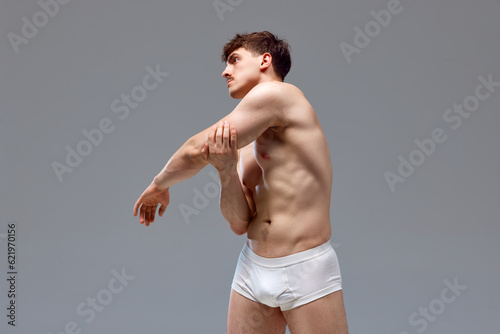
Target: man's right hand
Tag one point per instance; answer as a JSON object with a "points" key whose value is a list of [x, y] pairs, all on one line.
{"points": [[148, 202], [221, 150]]}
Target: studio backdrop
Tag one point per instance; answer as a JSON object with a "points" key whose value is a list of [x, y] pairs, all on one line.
{"points": [[95, 96]]}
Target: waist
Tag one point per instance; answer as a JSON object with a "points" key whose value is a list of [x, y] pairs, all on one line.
{"points": [[283, 235], [287, 260]]}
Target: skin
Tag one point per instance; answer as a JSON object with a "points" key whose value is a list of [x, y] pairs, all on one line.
{"points": [[276, 177]]}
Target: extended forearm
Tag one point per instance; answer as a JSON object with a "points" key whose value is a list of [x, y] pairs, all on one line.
{"points": [[184, 164], [233, 203]]}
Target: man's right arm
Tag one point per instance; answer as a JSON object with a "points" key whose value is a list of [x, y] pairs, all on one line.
{"points": [[260, 109], [184, 164]]}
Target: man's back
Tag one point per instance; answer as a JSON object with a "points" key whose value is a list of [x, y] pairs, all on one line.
{"points": [[288, 170]]}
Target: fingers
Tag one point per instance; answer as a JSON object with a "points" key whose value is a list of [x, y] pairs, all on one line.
{"points": [[146, 215], [234, 138], [223, 134], [219, 133], [211, 134], [225, 141], [136, 206], [149, 214], [162, 210], [221, 137], [141, 214]]}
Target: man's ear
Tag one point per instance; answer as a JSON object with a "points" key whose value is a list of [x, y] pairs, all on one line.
{"points": [[266, 61]]}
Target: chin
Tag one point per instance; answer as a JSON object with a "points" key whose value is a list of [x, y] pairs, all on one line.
{"points": [[237, 93], [236, 97]]}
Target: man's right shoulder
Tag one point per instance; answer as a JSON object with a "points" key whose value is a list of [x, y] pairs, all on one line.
{"points": [[265, 89], [274, 92], [275, 86], [265, 94]]}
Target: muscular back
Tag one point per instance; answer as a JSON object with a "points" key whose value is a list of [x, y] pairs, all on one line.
{"points": [[288, 172]]}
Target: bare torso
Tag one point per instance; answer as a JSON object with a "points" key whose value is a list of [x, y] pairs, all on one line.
{"points": [[289, 172]]}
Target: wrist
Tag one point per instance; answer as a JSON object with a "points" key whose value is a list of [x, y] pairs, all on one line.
{"points": [[157, 184], [226, 175], [228, 172]]}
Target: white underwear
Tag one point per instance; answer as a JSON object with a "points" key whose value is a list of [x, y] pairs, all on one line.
{"points": [[290, 281]]}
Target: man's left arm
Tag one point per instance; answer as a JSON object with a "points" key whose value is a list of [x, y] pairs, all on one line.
{"points": [[221, 151]]}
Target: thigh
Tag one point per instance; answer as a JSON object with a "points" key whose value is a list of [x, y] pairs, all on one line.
{"points": [[324, 315], [246, 316]]}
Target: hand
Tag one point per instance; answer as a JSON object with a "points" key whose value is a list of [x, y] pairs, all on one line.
{"points": [[221, 150], [149, 201]]}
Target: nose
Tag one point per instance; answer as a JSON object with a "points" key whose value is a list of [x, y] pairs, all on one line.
{"points": [[226, 73]]}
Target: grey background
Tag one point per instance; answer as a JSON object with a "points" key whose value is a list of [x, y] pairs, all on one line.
{"points": [[396, 248]]}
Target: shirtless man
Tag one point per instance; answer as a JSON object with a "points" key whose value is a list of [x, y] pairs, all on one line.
{"points": [[277, 192]]}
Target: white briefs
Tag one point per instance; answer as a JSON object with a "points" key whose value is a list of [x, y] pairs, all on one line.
{"points": [[290, 281]]}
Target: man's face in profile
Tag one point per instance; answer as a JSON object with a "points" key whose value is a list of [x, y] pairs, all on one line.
{"points": [[242, 72]]}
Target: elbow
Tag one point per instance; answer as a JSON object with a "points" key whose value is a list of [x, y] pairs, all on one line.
{"points": [[191, 151], [239, 228], [239, 231]]}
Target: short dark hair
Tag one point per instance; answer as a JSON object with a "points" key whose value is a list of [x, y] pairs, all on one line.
{"points": [[260, 43]]}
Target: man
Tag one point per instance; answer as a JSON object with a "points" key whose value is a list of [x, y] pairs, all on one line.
{"points": [[277, 192]]}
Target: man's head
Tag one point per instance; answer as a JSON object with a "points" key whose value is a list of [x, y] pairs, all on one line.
{"points": [[254, 58]]}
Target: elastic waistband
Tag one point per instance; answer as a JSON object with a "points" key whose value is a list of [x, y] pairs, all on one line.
{"points": [[286, 260]]}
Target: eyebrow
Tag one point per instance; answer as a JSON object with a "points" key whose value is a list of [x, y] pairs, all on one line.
{"points": [[231, 56]]}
